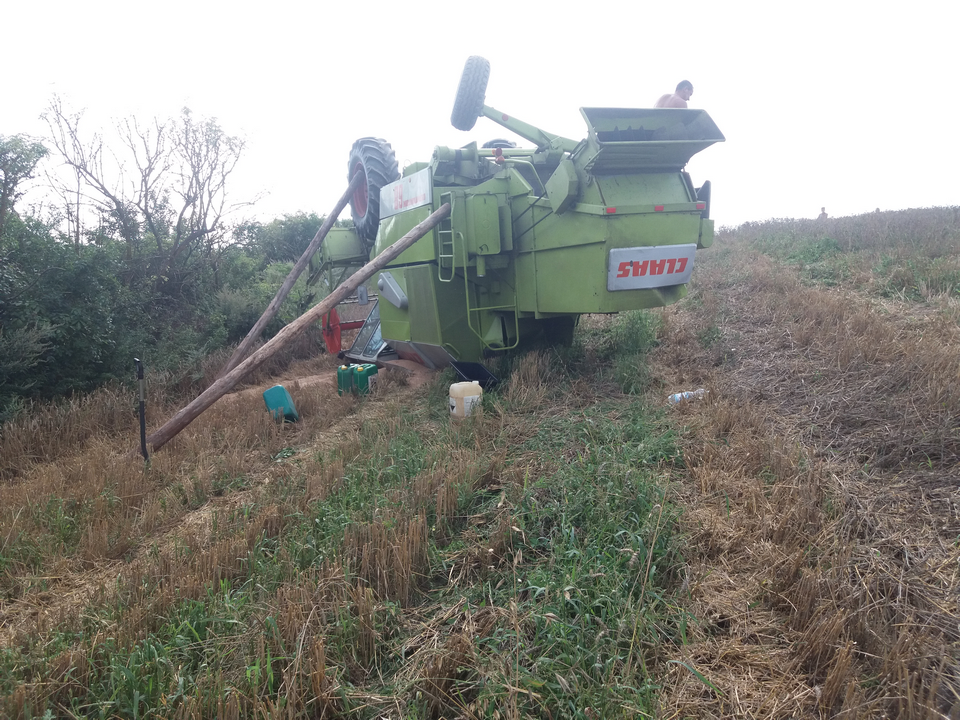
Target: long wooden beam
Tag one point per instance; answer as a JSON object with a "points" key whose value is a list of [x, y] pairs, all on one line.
{"points": [[274, 307], [224, 384]]}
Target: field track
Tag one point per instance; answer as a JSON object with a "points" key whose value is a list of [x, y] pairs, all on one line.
{"points": [[821, 498]]}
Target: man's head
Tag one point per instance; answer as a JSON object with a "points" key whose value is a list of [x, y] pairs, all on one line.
{"points": [[685, 89]]}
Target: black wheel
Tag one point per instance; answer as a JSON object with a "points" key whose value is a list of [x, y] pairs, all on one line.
{"points": [[470, 93], [558, 330], [376, 160], [499, 143]]}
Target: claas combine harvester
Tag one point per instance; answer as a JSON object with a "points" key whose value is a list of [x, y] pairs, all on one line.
{"points": [[535, 237]]}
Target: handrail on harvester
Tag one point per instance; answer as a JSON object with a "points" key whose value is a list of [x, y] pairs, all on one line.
{"points": [[527, 131]]}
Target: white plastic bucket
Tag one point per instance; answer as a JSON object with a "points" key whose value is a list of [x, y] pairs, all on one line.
{"points": [[463, 396]]}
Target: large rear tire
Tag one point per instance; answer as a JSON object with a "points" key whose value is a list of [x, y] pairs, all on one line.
{"points": [[471, 93], [559, 330], [376, 160]]}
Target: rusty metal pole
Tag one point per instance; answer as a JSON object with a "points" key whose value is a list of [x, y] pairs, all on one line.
{"points": [[224, 384], [141, 385]]}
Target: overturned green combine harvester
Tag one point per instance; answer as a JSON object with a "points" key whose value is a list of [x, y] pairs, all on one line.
{"points": [[535, 237]]}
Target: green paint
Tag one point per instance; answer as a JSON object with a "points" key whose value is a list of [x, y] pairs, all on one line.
{"points": [[531, 230]]}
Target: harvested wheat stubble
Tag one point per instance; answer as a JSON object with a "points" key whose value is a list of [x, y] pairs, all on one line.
{"points": [[863, 386], [122, 509], [822, 502], [190, 538]]}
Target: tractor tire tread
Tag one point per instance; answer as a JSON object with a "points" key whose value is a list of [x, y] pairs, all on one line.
{"points": [[380, 166], [471, 93]]}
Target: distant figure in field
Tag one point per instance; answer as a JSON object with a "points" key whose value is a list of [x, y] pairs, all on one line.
{"points": [[677, 99], [823, 214]]}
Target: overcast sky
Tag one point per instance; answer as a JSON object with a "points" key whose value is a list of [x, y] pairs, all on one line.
{"points": [[847, 105]]}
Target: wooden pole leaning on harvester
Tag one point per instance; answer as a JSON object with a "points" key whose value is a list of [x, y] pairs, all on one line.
{"points": [[224, 384], [271, 312]]}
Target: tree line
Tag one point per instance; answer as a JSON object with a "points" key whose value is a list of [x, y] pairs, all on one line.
{"points": [[143, 253]]}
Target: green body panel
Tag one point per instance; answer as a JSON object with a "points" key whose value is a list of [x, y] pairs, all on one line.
{"points": [[706, 234], [341, 248], [394, 228], [562, 186], [572, 277], [482, 225], [530, 234], [435, 314], [624, 192], [342, 245], [340, 254]]}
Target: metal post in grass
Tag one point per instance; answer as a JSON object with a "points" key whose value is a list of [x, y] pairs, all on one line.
{"points": [[143, 416]]}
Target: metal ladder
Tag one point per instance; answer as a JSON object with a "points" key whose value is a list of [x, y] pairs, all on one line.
{"points": [[481, 308], [516, 320], [446, 251], [447, 255]]}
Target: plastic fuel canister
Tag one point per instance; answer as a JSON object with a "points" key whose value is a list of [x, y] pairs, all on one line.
{"points": [[364, 377], [344, 379], [280, 403]]}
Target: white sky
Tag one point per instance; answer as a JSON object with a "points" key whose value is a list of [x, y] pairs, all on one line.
{"points": [[845, 104]]}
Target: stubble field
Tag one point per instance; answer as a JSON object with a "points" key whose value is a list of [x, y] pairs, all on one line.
{"points": [[787, 547]]}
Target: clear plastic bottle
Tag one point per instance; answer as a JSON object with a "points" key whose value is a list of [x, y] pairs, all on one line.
{"points": [[686, 395]]}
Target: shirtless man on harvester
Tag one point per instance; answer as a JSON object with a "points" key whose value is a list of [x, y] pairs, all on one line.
{"points": [[677, 99]]}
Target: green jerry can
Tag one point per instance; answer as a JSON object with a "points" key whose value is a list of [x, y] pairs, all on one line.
{"points": [[280, 403], [364, 377], [345, 379]]}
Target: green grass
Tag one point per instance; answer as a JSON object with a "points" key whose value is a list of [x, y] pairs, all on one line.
{"points": [[598, 539], [910, 255], [918, 278], [620, 351], [561, 554]]}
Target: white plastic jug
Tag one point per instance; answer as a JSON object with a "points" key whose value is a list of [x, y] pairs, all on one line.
{"points": [[463, 396]]}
